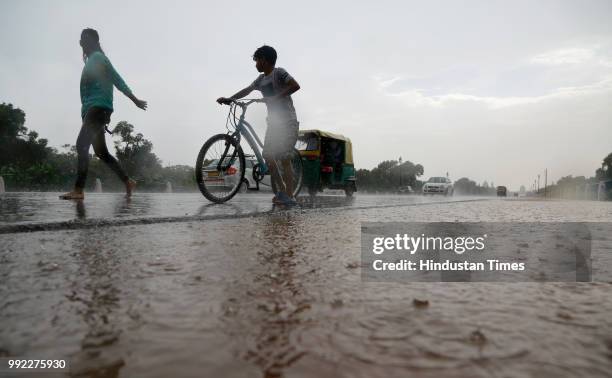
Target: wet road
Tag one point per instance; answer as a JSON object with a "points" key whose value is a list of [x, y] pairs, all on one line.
{"points": [[43, 211], [167, 285]]}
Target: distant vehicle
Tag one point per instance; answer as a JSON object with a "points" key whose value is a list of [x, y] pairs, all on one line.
{"points": [[438, 185], [406, 190], [502, 191]]}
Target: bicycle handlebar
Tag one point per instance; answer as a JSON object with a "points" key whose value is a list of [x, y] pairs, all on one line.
{"points": [[232, 117], [246, 103]]}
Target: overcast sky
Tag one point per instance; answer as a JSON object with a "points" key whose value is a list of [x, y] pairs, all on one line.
{"points": [[490, 90]]}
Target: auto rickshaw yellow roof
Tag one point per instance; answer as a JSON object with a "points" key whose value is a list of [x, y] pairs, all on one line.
{"points": [[348, 150], [325, 134]]}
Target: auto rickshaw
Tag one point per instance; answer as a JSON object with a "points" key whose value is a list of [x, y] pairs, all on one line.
{"points": [[327, 161]]}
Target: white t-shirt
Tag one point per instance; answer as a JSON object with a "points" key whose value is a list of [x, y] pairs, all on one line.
{"points": [[272, 84]]}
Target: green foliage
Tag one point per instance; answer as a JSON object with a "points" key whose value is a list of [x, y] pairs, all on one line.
{"points": [[605, 172], [18, 146], [182, 177], [465, 186], [135, 155], [12, 122], [388, 175], [572, 187], [27, 163]]}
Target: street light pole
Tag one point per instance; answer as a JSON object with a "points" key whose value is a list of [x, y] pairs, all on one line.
{"points": [[545, 181], [400, 170]]}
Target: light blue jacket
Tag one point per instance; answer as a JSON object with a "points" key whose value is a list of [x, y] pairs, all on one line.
{"points": [[97, 81]]}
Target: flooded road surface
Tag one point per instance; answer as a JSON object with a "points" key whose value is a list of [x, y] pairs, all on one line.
{"points": [[35, 207], [21, 212], [279, 293]]}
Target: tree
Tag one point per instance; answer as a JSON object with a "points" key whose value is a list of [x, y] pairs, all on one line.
{"points": [[23, 157], [605, 172], [465, 186], [12, 121], [18, 147], [385, 176], [410, 172], [27, 163], [182, 177], [135, 156]]}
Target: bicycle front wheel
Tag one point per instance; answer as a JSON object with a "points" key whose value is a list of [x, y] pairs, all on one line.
{"points": [[220, 168], [297, 173]]}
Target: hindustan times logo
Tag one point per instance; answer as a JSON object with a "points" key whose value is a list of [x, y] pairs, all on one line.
{"points": [[414, 244]]}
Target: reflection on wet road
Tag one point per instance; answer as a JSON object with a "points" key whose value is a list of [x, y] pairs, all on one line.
{"points": [[279, 294], [23, 212]]}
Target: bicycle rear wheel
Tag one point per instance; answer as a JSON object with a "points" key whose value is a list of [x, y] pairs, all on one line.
{"points": [[220, 168], [297, 170]]}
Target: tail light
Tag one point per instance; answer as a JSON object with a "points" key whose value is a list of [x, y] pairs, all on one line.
{"points": [[327, 169], [231, 171]]}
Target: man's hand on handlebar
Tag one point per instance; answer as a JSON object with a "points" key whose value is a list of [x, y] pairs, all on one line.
{"points": [[228, 101]]}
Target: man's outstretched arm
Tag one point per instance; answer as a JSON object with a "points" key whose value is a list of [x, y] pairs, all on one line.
{"points": [[240, 94]]}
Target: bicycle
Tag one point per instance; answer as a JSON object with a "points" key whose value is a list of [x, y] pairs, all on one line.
{"points": [[220, 166]]}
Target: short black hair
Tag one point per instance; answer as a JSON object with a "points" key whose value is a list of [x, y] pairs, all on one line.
{"points": [[266, 52], [91, 34]]}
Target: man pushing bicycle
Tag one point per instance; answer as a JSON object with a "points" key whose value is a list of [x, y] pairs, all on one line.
{"points": [[276, 86]]}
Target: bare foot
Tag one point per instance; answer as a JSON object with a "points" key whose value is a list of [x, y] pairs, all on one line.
{"points": [[74, 195], [129, 188]]}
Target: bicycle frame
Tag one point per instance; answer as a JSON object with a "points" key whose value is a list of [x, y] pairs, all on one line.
{"points": [[243, 128]]}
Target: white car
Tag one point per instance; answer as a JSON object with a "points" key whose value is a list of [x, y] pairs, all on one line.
{"points": [[222, 180], [225, 180], [438, 185], [250, 183]]}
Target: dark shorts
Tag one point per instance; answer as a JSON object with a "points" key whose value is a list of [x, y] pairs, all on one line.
{"points": [[98, 116], [280, 139]]}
